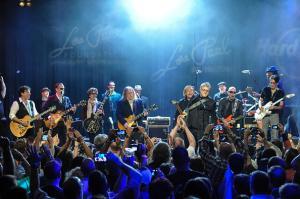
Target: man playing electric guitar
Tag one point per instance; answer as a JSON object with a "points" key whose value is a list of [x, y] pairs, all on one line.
{"points": [[188, 95], [22, 107], [62, 103], [128, 106], [271, 94], [230, 109], [91, 108]]}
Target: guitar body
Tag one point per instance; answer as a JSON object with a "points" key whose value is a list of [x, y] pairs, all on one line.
{"points": [[229, 119], [130, 121], [53, 120], [19, 130], [93, 124], [260, 114]]}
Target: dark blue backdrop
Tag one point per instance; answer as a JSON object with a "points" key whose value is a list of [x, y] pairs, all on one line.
{"points": [[87, 43]]}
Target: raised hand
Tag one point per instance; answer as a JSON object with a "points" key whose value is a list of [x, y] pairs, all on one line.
{"points": [[34, 158], [4, 142]]}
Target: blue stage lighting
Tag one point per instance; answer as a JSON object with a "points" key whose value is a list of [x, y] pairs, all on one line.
{"points": [[153, 14]]}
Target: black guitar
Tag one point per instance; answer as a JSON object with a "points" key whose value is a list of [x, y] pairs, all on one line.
{"points": [[94, 123]]}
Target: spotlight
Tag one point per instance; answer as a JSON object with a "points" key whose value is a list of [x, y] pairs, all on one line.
{"points": [[21, 3], [28, 3]]}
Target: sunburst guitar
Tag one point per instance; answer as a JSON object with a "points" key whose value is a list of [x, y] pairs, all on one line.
{"points": [[131, 120], [19, 130]]}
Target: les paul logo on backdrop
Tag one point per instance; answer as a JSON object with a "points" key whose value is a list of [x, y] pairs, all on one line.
{"points": [[93, 47]]}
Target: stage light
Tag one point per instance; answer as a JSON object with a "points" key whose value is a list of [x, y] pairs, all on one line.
{"points": [[28, 3], [156, 13], [25, 3], [21, 3]]}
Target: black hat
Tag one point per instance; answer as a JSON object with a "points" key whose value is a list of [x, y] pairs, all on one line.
{"points": [[45, 89], [221, 83]]}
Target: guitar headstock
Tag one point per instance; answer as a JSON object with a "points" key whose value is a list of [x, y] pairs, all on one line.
{"points": [[108, 93], [290, 95], [153, 107], [174, 102], [52, 108], [81, 103]]}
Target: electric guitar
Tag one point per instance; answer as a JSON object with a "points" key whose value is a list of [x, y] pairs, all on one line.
{"points": [[176, 103], [19, 130], [93, 124], [230, 120], [131, 120], [54, 118], [261, 113]]}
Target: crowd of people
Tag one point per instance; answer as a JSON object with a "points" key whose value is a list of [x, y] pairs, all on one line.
{"points": [[219, 165], [203, 157]]}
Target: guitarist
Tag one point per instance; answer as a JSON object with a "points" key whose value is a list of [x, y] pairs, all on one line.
{"points": [[127, 106], [188, 95], [22, 107], [271, 93], [230, 105], [91, 108], [199, 117], [62, 103]]}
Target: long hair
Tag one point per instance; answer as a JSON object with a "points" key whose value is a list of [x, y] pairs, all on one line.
{"points": [[127, 88]]}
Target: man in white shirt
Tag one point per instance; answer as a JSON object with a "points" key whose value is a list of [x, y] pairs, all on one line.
{"points": [[22, 107]]}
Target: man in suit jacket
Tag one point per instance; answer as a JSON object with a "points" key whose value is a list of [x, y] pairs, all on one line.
{"points": [[62, 103], [129, 105]]}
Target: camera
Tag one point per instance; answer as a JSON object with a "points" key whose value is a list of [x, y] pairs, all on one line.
{"points": [[100, 157], [275, 127], [44, 137]]}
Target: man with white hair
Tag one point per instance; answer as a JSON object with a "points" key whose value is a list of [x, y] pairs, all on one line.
{"points": [[202, 111], [230, 108], [138, 90]]}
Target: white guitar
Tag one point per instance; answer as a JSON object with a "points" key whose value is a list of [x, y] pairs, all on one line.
{"points": [[260, 114]]}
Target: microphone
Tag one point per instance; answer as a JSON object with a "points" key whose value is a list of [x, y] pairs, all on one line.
{"points": [[246, 71], [111, 122]]}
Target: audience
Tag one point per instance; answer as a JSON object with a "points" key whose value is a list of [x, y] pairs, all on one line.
{"points": [[111, 168]]}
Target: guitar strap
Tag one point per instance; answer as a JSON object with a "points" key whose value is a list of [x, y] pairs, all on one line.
{"points": [[234, 107], [195, 105], [31, 109]]}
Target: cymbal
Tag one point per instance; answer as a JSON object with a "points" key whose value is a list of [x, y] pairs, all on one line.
{"points": [[240, 92], [248, 105]]}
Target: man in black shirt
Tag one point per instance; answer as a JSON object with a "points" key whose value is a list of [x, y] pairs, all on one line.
{"points": [[222, 92], [271, 94], [203, 114], [188, 95], [230, 107]]}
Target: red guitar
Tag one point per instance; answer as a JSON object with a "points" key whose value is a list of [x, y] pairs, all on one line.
{"points": [[230, 120]]}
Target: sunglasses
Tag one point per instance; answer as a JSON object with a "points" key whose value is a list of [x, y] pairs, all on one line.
{"points": [[231, 92], [61, 89]]}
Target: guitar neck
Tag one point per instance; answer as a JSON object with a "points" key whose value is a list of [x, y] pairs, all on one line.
{"points": [[40, 115], [278, 101], [102, 104], [179, 109]]}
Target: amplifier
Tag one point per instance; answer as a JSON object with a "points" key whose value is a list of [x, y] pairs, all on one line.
{"points": [[158, 122], [249, 122], [159, 132]]}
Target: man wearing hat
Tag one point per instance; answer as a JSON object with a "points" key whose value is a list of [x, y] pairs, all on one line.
{"points": [[138, 91], [44, 97], [273, 70], [222, 92]]}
